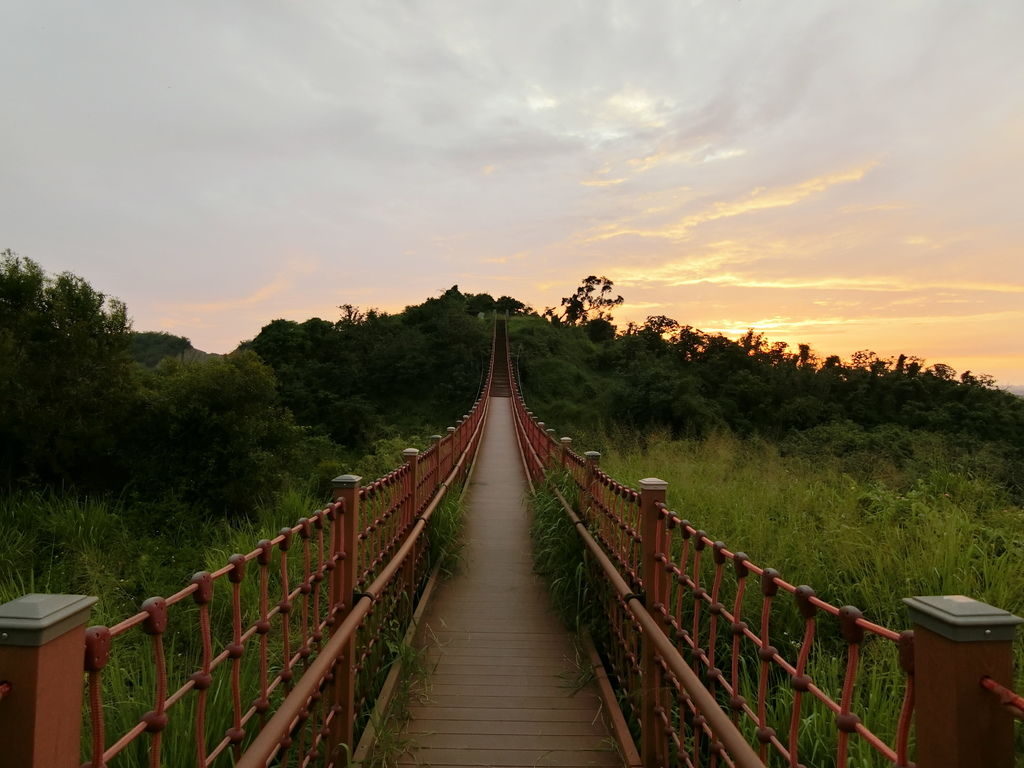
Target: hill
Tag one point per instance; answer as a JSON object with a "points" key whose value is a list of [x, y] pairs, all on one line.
{"points": [[150, 347]]}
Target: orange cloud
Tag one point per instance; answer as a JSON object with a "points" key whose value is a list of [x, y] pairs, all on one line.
{"points": [[879, 284], [759, 199], [601, 182]]}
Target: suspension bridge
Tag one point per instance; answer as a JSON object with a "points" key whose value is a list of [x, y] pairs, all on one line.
{"points": [[294, 643]]}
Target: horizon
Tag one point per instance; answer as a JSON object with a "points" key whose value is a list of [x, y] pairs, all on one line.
{"points": [[620, 326], [841, 176]]}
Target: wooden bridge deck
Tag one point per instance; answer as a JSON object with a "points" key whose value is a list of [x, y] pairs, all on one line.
{"points": [[502, 687]]}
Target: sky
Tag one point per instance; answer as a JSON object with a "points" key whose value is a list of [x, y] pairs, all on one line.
{"points": [[841, 174]]}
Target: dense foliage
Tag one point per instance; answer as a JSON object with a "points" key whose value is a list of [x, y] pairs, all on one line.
{"points": [[187, 434], [65, 375], [371, 374], [663, 375]]}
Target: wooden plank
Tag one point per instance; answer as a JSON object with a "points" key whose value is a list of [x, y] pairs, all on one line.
{"points": [[499, 701], [432, 711], [544, 727], [533, 678], [550, 689], [511, 758], [480, 656], [506, 741]]}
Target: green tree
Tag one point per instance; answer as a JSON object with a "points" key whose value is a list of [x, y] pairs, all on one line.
{"points": [[506, 304], [65, 375], [592, 300], [150, 347], [213, 434]]}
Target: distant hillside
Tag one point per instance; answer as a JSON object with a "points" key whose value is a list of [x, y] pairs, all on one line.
{"points": [[1016, 389], [150, 347]]}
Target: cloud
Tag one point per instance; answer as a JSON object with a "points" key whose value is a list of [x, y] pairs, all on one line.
{"points": [[847, 283], [758, 199], [602, 182], [177, 155]]}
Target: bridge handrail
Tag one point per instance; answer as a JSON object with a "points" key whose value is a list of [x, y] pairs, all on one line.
{"points": [[651, 558], [276, 731], [391, 517]]}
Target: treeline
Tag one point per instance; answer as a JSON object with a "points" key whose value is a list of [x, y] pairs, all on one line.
{"points": [[77, 412], [304, 399], [370, 375], [299, 403], [662, 374]]}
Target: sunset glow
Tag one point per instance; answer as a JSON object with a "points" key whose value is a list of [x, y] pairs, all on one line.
{"points": [[843, 175]]}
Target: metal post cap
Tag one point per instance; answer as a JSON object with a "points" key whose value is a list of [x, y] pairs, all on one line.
{"points": [[35, 619], [653, 484], [411, 452], [435, 437], [566, 440], [593, 455], [961, 618], [346, 481]]}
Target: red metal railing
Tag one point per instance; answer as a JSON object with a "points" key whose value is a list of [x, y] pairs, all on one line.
{"points": [[1013, 702], [302, 618], [716, 671]]}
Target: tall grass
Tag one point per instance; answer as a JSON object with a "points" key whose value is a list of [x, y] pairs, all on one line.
{"points": [[856, 541], [559, 556]]}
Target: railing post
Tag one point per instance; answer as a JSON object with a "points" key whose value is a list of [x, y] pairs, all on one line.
{"points": [[42, 651], [563, 455], [451, 451], [346, 538], [593, 460], [436, 469], [957, 641], [412, 458], [653, 746]]}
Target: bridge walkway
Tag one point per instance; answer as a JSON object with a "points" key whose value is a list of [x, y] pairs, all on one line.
{"points": [[502, 686]]}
